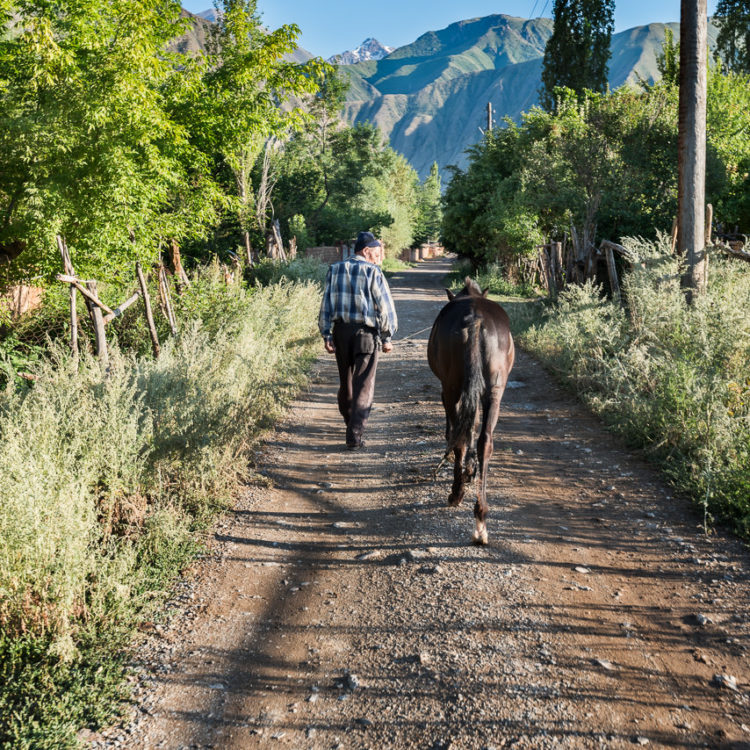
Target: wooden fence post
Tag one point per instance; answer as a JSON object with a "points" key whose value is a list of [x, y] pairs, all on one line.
{"points": [[556, 250], [548, 271], [165, 299], [147, 306], [179, 271], [98, 320], [68, 267], [612, 271]]}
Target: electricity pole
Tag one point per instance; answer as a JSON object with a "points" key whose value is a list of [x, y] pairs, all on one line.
{"points": [[691, 231]]}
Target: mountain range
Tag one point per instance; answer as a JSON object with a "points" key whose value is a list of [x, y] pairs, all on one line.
{"points": [[429, 98]]}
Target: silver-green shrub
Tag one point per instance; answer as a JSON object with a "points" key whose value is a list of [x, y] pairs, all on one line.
{"points": [[671, 378], [100, 474]]}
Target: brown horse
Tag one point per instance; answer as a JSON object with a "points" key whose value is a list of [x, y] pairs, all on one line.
{"points": [[471, 351]]}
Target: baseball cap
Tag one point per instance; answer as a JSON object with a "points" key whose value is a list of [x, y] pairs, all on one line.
{"points": [[365, 239]]}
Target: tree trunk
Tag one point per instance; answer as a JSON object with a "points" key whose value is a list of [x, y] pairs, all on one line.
{"points": [[692, 145]]}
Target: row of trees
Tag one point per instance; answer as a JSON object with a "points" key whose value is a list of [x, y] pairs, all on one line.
{"points": [[112, 138], [603, 162]]}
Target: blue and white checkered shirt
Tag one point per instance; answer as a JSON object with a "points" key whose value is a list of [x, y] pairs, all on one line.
{"points": [[357, 292]]}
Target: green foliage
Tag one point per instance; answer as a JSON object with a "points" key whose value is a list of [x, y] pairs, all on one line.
{"points": [[733, 42], [98, 517], [112, 139], [668, 377], [608, 163], [81, 157], [298, 229], [577, 53], [668, 62], [323, 175]]}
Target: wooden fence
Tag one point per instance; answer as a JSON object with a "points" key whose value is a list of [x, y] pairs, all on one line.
{"points": [[559, 264]]}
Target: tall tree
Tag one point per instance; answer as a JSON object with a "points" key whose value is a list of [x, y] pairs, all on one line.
{"points": [[240, 104], [733, 42], [577, 54], [429, 206]]}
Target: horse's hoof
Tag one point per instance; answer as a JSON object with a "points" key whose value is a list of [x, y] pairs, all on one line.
{"points": [[454, 501], [480, 536]]}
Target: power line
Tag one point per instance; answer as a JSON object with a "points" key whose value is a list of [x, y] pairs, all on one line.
{"points": [[541, 15], [531, 15]]}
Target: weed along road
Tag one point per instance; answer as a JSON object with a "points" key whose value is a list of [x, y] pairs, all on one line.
{"points": [[343, 605]]}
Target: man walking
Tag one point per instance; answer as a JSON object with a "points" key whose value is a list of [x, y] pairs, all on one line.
{"points": [[357, 317]]}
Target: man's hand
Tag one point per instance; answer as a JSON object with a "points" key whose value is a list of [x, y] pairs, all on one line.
{"points": [[387, 347], [330, 348]]}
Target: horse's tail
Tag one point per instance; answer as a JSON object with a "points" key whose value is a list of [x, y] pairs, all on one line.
{"points": [[472, 389]]}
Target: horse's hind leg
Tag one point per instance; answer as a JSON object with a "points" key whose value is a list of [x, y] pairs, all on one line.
{"points": [[484, 449], [459, 480]]}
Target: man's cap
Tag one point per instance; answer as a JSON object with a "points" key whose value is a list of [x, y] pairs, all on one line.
{"points": [[365, 239]]}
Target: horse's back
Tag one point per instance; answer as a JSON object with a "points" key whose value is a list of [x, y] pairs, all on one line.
{"points": [[451, 330]]}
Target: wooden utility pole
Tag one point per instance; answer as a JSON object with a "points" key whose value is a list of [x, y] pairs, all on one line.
{"points": [[691, 227], [489, 117]]}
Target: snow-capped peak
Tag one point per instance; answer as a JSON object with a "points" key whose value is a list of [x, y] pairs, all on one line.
{"points": [[370, 49]]}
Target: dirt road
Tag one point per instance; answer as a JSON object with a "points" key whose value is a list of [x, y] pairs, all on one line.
{"points": [[343, 606]]}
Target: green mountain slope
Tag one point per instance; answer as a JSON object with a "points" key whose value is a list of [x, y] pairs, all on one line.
{"points": [[429, 98]]}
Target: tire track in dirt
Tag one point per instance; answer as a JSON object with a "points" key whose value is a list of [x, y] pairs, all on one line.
{"points": [[343, 606]]}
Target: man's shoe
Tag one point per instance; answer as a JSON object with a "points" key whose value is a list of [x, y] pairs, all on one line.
{"points": [[355, 446]]}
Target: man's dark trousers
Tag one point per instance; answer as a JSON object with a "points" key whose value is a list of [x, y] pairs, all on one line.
{"points": [[357, 360]]}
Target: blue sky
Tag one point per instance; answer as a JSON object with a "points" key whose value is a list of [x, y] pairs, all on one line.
{"points": [[331, 26]]}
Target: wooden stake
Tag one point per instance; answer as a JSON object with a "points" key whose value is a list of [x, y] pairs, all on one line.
{"points": [[165, 300], [120, 309], [556, 251], [623, 251], [68, 268], [709, 221], [98, 320], [147, 306], [614, 284], [179, 271]]}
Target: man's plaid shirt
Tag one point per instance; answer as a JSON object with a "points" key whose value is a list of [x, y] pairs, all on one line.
{"points": [[357, 292]]}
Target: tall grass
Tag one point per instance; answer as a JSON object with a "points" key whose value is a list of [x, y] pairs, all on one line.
{"points": [[105, 481], [670, 378]]}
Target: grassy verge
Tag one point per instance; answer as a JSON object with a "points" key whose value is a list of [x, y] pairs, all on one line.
{"points": [[107, 484], [672, 380], [394, 265]]}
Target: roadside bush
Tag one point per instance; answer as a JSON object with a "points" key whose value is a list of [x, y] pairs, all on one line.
{"points": [[104, 484], [300, 269], [670, 378]]}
